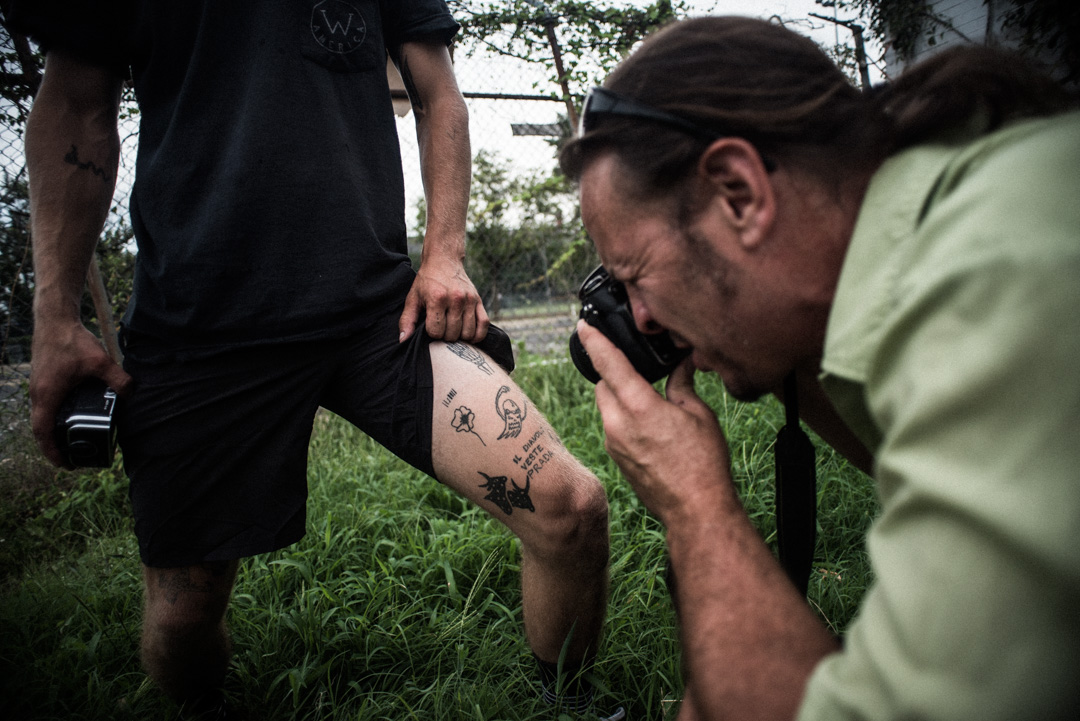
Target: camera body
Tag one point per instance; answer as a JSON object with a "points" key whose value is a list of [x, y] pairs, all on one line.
{"points": [[606, 306], [85, 426]]}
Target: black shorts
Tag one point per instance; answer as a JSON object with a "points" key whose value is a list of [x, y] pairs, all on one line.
{"points": [[215, 442]]}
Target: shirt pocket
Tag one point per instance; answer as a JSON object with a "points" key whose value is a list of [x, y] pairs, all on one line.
{"points": [[344, 35]]}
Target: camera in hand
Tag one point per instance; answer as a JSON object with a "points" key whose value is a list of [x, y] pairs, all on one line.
{"points": [[85, 426], [606, 307]]}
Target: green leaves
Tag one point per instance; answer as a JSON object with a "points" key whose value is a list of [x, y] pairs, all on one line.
{"points": [[592, 37], [524, 233]]}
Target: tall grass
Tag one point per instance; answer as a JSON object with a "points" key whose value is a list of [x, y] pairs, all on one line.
{"points": [[402, 602]]}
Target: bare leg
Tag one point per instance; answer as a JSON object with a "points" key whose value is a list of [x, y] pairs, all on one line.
{"points": [[185, 645], [493, 446], [687, 710]]}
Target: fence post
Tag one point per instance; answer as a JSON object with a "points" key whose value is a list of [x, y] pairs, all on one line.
{"points": [[103, 308], [549, 27], [860, 46], [571, 111]]}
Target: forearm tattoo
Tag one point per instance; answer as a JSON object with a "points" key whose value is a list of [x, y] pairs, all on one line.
{"points": [[511, 413], [72, 158], [463, 422], [468, 353], [507, 499]]}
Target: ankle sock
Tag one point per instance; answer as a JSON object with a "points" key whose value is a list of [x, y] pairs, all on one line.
{"points": [[575, 693]]}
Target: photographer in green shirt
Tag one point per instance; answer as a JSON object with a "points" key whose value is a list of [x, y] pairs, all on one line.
{"points": [[913, 255]]}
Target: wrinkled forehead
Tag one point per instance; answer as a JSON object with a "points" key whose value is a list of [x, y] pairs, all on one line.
{"points": [[595, 195], [605, 192]]}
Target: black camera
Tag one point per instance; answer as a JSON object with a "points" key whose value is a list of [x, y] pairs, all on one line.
{"points": [[605, 306], [85, 427]]}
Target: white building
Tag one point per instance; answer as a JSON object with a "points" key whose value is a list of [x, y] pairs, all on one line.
{"points": [[957, 22]]}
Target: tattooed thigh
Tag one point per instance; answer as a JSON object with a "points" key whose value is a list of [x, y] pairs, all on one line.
{"points": [[489, 442], [212, 579]]}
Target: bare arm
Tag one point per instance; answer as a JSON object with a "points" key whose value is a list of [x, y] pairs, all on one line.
{"points": [[72, 151], [442, 289], [749, 640]]}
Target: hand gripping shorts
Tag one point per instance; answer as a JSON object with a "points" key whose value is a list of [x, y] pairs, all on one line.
{"points": [[215, 441]]}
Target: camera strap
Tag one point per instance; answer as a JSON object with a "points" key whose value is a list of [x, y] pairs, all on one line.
{"points": [[796, 493]]}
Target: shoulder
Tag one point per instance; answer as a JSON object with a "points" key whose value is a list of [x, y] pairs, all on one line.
{"points": [[1010, 196], [95, 32], [427, 21]]}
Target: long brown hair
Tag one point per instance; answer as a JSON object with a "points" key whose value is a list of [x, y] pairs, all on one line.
{"points": [[757, 80]]}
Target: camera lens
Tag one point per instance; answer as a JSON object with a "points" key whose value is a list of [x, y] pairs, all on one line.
{"points": [[606, 307], [81, 451], [653, 356]]}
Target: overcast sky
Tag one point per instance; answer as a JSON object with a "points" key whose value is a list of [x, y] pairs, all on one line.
{"points": [[491, 130], [795, 11]]}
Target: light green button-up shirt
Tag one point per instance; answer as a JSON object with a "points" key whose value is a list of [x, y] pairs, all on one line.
{"points": [[953, 351]]}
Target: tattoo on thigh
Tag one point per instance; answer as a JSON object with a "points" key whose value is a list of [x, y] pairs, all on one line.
{"points": [[535, 457], [463, 422], [449, 397], [511, 413], [470, 354], [174, 581], [507, 499]]}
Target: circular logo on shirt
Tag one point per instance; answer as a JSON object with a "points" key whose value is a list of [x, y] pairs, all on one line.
{"points": [[338, 26]]}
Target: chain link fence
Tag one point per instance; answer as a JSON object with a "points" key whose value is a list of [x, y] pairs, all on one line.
{"points": [[527, 250], [18, 460]]}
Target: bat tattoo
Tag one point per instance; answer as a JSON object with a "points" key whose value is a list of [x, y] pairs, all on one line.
{"points": [[507, 499]]}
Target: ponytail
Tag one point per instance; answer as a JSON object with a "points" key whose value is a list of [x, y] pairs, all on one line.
{"points": [[965, 84], [757, 80]]}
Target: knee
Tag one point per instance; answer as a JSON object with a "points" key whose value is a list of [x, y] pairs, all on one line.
{"points": [[185, 655], [574, 520], [185, 646], [186, 602], [183, 620]]}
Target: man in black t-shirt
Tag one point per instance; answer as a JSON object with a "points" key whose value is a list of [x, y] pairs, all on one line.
{"points": [[272, 279]]}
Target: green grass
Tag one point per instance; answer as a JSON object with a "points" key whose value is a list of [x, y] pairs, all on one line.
{"points": [[402, 601]]}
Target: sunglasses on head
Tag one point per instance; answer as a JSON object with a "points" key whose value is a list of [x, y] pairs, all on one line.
{"points": [[601, 101]]}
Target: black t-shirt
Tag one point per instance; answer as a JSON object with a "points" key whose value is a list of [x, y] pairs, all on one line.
{"points": [[268, 202]]}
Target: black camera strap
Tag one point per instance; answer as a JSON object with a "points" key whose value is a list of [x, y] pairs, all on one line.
{"points": [[796, 493]]}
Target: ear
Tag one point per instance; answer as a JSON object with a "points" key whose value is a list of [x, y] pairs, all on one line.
{"points": [[734, 173]]}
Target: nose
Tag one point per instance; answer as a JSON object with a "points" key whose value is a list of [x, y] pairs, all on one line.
{"points": [[643, 320]]}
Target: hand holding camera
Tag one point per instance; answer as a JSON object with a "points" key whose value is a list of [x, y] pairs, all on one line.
{"points": [[64, 354], [606, 306], [86, 427]]}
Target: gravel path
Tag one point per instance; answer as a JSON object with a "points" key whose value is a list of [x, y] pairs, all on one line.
{"points": [[542, 335]]}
